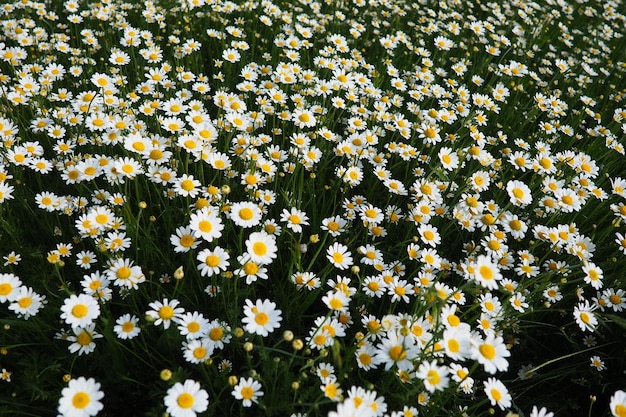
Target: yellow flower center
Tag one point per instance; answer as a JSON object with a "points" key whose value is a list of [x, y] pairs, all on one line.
{"points": [[496, 394], [185, 400], [128, 327], [80, 310], [81, 400], [212, 261], [487, 350], [246, 213], [205, 226], [187, 185], [166, 312], [5, 289], [486, 272], [261, 318], [247, 393], [453, 345], [199, 352], [216, 334], [433, 377], [25, 302], [123, 273], [259, 248], [397, 353]]}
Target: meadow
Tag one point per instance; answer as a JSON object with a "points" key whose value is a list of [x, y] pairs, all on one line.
{"points": [[313, 208]]}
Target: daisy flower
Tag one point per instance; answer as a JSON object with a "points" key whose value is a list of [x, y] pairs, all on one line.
{"points": [[435, 377], [248, 390], [26, 302], [303, 118], [186, 399], [295, 219], [83, 339], [593, 275], [206, 224], [519, 193], [81, 398], [486, 272], [497, 393], [81, 310], [339, 256], [618, 403], [85, 259], [187, 186], [9, 286], [218, 333], [126, 327], [124, 274], [192, 325], [261, 317], [250, 269], [184, 239], [540, 412], [584, 316], [396, 350], [164, 312], [197, 350], [261, 247], [212, 261], [245, 214], [335, 225], [491, 353], [336, 300]]}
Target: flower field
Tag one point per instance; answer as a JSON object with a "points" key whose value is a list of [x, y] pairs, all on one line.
{"points": [[299, 208]]}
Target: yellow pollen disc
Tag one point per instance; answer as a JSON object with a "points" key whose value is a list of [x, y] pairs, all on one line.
{"points": [[487, 350]]}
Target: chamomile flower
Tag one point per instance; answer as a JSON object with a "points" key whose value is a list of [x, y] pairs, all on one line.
{"points": [[9, 286], [197, 350], [206, 224], [339, 256], [187, 186], [335, 225], [81, 398], [593, 275], [295, 219], [617, 403], [83, 340], [491, 353], [85, 259], [261, 317], [245, 214], [486, 272], [212, 261], [585, 317], [434, 377], [540, 412], [186, 399], [497, 393], [164, 312], [126, 327], [124, 274], [80, 310], [248, 391], [26, 302], [184, 239], [519, 193], [396, 350], [261, 247], [192, 325], [250, 269]]}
